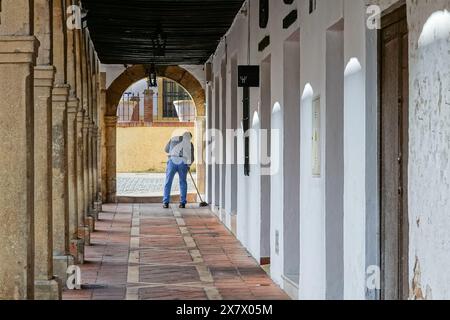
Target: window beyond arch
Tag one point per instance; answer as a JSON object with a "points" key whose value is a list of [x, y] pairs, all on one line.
{"points": [[166, 102]]}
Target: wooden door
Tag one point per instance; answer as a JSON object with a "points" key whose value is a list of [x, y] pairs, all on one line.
{"points": [[394, 155]]}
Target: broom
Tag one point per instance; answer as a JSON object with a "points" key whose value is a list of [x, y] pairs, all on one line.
{"points": [[202, 203]]}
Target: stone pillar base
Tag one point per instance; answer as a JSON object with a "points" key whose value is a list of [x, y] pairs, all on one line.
{"points": [[77, 250], [90, 222], [111, 198], [98, 207], [60, 265], [94, 213], [48, 289], [83, 233]]}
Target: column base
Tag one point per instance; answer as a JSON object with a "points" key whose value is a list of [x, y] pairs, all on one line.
{"points": [[48, 289], [98, 207], [83, 233], [77, 250], [111, 198], [90, 222], [60, 265], [94, 212]]}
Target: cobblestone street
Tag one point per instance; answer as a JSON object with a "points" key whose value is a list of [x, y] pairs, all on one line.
{"points": [[142, 252], [148, 184]]}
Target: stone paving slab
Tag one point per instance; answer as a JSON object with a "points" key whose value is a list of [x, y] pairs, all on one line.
{"points": [[143, 252]]}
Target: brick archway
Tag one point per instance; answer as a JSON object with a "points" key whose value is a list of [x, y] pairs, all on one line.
{"points": [[138, 72], [114, 94]]}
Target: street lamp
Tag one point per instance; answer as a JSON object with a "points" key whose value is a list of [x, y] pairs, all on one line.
{"points": [[152, 76]]}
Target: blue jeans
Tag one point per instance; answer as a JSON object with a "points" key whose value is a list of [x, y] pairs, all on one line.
{"points": [[172, 168]]}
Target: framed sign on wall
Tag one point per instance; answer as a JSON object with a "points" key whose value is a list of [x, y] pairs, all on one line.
{"points": [[316, 139]]}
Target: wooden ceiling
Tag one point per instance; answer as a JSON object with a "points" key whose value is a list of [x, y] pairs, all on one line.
{"points": [[122, 30]]}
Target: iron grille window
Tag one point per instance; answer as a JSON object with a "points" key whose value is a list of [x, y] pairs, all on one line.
{"points": [[172, 92]]}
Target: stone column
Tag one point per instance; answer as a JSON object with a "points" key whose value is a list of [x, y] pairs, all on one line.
{"points": [[111, 126], [76, 245], [200, 127], [91, 214], [97, 201], [47, 287], [61, 249], [89, 221], [61, 238], [85, 130], [91, 169], [17, 57], [83, 232], [102, 134]]}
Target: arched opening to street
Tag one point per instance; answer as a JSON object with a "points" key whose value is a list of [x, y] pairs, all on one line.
{"points": [[149, 116], [146, 116]]}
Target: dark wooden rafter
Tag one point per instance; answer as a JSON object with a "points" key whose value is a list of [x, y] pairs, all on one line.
{"points": [[122, 30]]}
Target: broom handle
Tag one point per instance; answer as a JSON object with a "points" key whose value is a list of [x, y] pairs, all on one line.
{"points": [[195, 185]]}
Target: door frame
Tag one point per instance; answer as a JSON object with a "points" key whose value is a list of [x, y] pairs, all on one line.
{"points": [[392, 16]]}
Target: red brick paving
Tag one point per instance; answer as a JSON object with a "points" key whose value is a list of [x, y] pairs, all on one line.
{"points": [[181, 254]]}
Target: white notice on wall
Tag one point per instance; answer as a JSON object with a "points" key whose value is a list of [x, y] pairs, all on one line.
{"points": [[316, 157]]}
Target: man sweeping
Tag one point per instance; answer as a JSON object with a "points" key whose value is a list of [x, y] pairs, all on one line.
{"points": [[181, 157]]}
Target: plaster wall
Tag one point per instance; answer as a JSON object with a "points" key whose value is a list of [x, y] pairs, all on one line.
{"points": [[429, 148]]}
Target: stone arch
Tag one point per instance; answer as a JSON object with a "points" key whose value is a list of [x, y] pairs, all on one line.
{"points": [[114, 94], [135, 73]]}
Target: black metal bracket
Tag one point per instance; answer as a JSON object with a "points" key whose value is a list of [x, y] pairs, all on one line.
{"points": [[248, 76], [246, 127]]}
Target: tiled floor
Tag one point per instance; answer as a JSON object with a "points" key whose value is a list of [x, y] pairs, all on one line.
{"points": [[145, 252]]}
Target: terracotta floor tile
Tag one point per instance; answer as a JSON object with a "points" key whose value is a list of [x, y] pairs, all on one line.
{"points": [[192, 258]]}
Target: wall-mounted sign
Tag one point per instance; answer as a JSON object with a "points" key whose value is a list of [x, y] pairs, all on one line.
{"points": [[316, 139], [248, 76]]}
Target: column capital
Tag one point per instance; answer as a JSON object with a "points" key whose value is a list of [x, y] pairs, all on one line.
{"points": [[60, 92], [72, 105], [86, 123], [44, 75], [80, 114], [18, 49], [93, 130], [111, 121]]}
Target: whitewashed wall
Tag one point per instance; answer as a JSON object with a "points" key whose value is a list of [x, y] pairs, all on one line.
{"points": [[429, 164], [429, 185]]}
